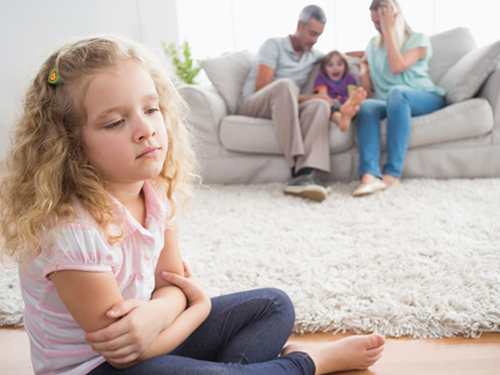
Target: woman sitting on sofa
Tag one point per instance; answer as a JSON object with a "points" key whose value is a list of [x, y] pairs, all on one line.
{"points": [[395, 67]]}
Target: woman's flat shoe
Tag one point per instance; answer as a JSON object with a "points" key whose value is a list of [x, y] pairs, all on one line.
{"points": [[366, 189], [395, 183]]}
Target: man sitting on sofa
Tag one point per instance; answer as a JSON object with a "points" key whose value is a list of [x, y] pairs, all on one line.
{"points": [[301, 122]]}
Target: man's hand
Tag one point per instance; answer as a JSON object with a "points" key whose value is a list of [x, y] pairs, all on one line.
{"points": [[303, 98]]}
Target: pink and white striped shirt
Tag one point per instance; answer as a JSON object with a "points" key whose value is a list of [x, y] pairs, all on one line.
{"points": [[57, 342]]}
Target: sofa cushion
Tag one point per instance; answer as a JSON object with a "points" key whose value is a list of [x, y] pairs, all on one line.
{"points": [[448, 47], [467, 119], [228, 73], [257, 135], [464, 79]]}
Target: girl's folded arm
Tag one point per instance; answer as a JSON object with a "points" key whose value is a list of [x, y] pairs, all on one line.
{"points": [[170, 338], [87, 296], [169, 260], [187, 322]]}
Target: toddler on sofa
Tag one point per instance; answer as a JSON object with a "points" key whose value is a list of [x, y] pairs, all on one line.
{"points": [[335, 81]]}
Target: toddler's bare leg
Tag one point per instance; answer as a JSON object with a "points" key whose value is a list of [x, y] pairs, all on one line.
{"points": [[351, 353], [336, 117], [347, 112], [351, 107]]}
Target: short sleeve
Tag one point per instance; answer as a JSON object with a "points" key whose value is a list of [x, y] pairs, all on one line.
{"points": [[416, 40], [77, 247], [268, 54], [320, 82]]}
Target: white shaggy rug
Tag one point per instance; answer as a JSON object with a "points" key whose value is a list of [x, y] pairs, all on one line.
{"points": [[421, 259], [11, 302]]}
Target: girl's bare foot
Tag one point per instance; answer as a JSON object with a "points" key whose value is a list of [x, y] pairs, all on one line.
{"points": [[351, 353], [390, 180], [347, 111], [351, 106], [358, 96]]}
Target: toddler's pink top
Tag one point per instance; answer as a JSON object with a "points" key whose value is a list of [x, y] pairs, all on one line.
{"points": [[57, 341]]}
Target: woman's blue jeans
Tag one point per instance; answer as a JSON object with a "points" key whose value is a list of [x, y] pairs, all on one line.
{"points": [[244, 334], [401, 105]]}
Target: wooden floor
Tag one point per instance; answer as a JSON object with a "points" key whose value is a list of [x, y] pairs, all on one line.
{"points": [[456, 356]]}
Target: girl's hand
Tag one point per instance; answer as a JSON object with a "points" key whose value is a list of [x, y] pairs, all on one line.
{"points": [[127, 338], [189, 284], [387, 19]]}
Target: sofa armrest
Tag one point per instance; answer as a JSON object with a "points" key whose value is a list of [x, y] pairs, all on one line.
{"points": [[207, 109], [491, 92]]}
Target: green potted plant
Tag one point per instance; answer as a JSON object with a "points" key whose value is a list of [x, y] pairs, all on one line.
{"points": [[186, 68]]}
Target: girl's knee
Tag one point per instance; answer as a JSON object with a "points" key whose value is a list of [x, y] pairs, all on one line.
{"points": [[282, 302]]}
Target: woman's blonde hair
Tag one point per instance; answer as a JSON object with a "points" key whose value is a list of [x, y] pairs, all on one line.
{"points": [[401, 28], [47, 167]]}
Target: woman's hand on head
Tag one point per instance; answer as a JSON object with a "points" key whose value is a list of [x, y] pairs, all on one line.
{"points": [[387, 18], [126, 339]]}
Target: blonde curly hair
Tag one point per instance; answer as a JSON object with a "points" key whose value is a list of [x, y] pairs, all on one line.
{"points": [[47, 166]]}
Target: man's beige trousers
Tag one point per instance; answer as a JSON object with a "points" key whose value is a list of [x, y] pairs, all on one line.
{"points": [[302, 129]]}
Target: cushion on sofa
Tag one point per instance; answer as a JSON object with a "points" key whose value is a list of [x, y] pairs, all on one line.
{"points": [[448, 47], [257, 136], [468, 119], [228, 73], [464, 79]]}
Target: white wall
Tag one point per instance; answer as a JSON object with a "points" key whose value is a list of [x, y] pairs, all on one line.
{"points": [[31, 29]]}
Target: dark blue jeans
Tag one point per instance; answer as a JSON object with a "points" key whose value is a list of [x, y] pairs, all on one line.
{"points": [[244, 334]]}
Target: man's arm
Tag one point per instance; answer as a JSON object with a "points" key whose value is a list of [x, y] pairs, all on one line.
{"points": [[264, 76], [319, 95]]}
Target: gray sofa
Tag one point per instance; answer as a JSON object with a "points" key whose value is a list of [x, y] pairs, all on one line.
{"points": [[460, 141]]}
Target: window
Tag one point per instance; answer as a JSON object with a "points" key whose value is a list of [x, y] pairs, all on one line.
{"points": [[218, 26]]}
